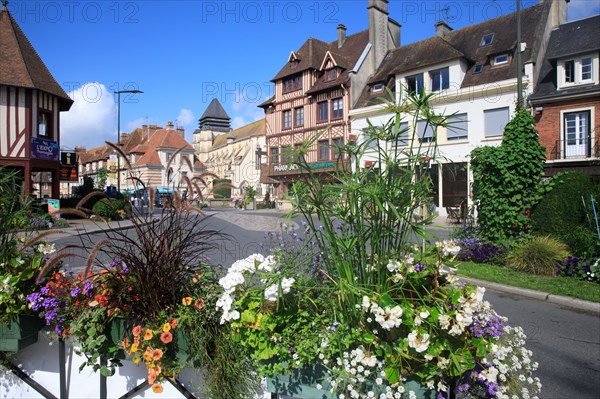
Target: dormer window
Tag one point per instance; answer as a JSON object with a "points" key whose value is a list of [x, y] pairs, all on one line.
{"points": [[577, 71], [292, 83], [486, 40], [586, 68], [478, 68], [500, 59], [331, 74]]}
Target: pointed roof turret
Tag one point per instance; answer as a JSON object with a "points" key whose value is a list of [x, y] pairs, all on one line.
{"points": [[215, 118], [20, 64]]}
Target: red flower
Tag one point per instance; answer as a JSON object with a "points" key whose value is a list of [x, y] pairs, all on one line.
{"points": [[173, 323], [166, 337]]}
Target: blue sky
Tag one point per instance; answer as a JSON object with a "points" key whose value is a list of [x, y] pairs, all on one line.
{"points": [[184, 53]]}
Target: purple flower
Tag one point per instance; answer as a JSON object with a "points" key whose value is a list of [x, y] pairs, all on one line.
{"points": [[50, 315], [75, 291], [492, 328], [463, 387], [419, 267], [87, 288], [334, 326]]}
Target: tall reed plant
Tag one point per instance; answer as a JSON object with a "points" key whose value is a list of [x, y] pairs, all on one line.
{"points": [[364, 217]]}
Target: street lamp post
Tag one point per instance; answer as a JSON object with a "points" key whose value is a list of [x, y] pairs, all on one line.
{"points": [[118, 93]]}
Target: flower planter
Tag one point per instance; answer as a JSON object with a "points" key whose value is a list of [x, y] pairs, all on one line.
{"points": [[20, 333], [302, 384]]}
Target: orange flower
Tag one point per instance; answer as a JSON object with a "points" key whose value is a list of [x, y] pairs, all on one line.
{"points": [[151, 377], [157, 354], [148, 334], [157, 388], [187, 301], [148, 355], [173, 323], [125, 343], [166, 337], [199, 304], [137, 330], [166, 327]]}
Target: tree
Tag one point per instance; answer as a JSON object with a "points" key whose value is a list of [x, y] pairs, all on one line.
{"points": [[507, 179], [102, 177]]}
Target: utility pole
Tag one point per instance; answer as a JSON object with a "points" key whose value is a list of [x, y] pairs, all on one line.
{"points": [[519, 61]]}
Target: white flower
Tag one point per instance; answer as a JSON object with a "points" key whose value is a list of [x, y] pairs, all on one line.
{"points": [[393, 266], [420, 342], [268, 264]]}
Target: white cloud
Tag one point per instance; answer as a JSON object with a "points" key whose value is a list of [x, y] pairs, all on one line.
{"points": [[246, 110], [91, 120], [583, 8], [185, 118]]}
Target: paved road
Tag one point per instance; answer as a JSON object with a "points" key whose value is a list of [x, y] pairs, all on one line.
{"points": [[566, 343]]}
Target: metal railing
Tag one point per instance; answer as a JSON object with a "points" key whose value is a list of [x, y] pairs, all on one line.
{"points": [[580, 148]]}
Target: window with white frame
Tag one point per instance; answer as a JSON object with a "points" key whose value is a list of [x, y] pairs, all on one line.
{"points": [[425, 131], [440, 79], [576, 71], [577, 135], [414, 83], [458, 127], [495, 120], [402, 138]]}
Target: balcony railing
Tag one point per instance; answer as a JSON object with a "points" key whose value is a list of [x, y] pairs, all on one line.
{"points": [[571, 149]]}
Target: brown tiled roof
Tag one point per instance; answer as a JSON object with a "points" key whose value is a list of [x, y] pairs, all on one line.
{"points": [[160, 139], [95, 154], [416, 55], [20, 64], [253, 129], [268, 102], [464, 43], [313, 51]]}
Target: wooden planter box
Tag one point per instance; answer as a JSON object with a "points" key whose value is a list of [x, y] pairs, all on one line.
{"points": [[302, 383], [20, 333]]}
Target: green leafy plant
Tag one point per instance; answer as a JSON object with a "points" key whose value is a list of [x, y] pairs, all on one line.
{"points": [[538, 255], [112, 209], [375, 312], [102, 177], [565, 213], [507, 180]]}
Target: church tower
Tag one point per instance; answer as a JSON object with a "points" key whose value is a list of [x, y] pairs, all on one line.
{"points": [[214, 122]]}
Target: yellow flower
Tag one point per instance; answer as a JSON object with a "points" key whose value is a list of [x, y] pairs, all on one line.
{"points": [[148, 334], [187, 301], [166, 327], [136, 360], [134, 347]]}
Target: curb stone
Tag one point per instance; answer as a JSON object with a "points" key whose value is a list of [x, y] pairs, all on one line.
{"points": [[587, 306]]}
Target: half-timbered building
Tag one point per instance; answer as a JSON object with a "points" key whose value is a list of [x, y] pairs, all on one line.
{"points": [[30, 105], [314, 91]]}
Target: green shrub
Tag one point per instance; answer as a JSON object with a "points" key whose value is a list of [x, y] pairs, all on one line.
{"points": [[539, 255], [112, 209], [508, 180], [561, 213]]}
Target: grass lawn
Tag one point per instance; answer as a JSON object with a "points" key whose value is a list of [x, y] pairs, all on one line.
{"points": [[566, 286]]}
